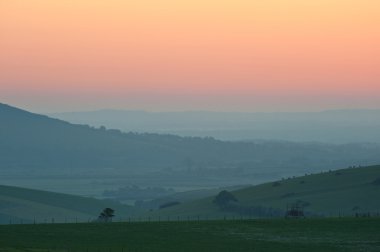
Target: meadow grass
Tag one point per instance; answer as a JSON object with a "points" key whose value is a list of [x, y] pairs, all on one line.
{"points": [[327, 234], [332, 193]]}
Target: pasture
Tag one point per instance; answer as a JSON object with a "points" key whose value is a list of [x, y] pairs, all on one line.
{"points": [[325, 234]]}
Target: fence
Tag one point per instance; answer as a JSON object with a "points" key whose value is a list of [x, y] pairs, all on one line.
{"points": [[177, 218]]}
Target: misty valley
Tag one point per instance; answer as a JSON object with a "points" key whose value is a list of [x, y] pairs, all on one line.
{"points": [[45, 153], [53, 171]]}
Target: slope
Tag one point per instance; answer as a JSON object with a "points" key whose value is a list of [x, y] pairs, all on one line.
{"points": [[340, 192], [35, 146], [25, 205]]}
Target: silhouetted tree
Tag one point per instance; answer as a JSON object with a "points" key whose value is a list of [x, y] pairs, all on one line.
{"points": [[106, 215], [224, 198]]}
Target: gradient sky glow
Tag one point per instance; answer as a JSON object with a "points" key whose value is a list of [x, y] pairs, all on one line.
{"points": [[236, 55]]}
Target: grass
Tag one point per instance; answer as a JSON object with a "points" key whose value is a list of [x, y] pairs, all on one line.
{"points": [[27, 205], [329, 234], [328, 193]]}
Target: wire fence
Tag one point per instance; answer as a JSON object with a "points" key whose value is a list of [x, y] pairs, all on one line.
{"points": [[179, 218]]}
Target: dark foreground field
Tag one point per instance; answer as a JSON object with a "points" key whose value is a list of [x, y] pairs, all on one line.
{"points": [[345, 234]]}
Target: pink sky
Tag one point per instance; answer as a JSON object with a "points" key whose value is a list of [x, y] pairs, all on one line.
{"points": [[273, 55]]}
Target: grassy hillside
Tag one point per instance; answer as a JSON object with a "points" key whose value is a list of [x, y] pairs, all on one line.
{"points": [[344, 192], [335, 235], [19, 205]]}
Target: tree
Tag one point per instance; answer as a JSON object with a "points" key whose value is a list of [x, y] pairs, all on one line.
{"points": [[224, 198], [106, 215]]}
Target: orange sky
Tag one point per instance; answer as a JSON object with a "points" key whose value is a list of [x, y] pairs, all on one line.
{"points": [[201, 54]]}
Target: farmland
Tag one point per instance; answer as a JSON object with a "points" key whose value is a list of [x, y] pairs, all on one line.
{"points": [[324, 234]]}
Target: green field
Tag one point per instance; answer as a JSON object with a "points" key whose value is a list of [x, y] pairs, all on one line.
{"points": [[341, 192], [328, 234]]}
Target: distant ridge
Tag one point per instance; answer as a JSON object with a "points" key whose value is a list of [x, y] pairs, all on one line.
{"points": [[9, 114], [330, 126], [36, 145]]}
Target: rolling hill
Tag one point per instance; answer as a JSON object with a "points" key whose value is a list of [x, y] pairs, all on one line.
{"points": [[20, 205], [34, 147], [340, 192]]}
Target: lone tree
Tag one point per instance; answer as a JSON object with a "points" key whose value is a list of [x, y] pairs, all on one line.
{"points": [[106, 215], [224, 198]]}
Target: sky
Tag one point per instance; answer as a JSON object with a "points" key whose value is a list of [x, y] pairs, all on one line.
{"points": [[237, 55]]}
